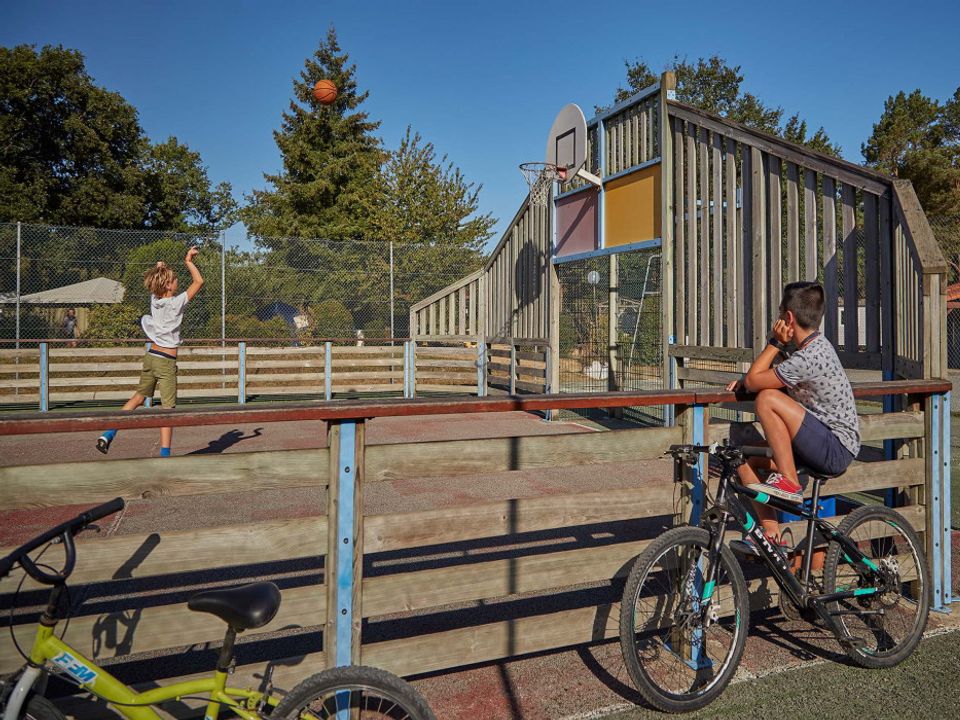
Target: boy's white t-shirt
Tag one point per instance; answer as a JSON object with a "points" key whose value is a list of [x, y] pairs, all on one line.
{"points": [[162, 325]]}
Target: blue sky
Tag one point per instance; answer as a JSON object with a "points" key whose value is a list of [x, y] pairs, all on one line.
{"points": [[482, 81]]}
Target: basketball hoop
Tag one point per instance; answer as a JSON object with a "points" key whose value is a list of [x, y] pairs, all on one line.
{"points": [[540, 177]]}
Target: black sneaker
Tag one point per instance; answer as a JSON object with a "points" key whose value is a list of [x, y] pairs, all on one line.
{"points": [[103, 444]]}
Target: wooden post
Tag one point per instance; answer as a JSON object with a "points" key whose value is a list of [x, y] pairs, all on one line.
{"points": [[44, 378], [343, 567], [554, 336], [241, 373], [758, 246], [668, 86]]}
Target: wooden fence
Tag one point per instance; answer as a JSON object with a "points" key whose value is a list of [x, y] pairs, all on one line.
{"points": [[437, 588], [50, 375]]}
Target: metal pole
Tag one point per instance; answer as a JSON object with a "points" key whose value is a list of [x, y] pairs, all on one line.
{"points": [[18, 287], [393, 334], [223, 288]]}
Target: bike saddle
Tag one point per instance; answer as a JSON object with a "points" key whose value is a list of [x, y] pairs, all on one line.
{"points": [[243, 608], [815, 474]]}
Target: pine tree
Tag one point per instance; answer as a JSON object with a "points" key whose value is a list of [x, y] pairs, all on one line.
{"points": [[330, 157]]}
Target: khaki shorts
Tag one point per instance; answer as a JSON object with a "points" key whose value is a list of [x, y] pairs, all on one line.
{"points": [[162, 372]]}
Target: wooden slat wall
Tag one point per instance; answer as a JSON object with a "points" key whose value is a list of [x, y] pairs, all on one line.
{"points": [[782, 221], [453, 312]]}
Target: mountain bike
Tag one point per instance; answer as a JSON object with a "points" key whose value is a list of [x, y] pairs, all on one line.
{"points": [[685, 612], [344, 693]]}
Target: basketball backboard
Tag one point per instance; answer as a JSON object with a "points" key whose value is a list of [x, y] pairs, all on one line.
{"points": [[567, 143]]}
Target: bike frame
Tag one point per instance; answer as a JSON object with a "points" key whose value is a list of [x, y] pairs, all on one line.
{"points": [[728, 505], [48, 647]]}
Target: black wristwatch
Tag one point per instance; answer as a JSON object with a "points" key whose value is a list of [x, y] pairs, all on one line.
{"points": [[777, 344]]}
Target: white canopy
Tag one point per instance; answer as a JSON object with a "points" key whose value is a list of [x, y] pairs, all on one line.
{"points": [[89, 292]]}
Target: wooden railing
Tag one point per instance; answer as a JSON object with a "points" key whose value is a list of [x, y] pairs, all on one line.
{"points": [[457, 312], [532, 554], [50, 376]]}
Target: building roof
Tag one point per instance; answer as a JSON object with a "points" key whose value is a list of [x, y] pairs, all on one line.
{"points": [[99, 290]]}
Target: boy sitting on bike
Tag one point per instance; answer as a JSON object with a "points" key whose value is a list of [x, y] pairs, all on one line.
{"points": [[815, 421]]}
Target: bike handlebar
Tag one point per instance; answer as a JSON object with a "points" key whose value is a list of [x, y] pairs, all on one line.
{"points": [[65, 531], [722, 450]]}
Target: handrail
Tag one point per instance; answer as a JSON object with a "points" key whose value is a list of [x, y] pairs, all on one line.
{"points": [[30, 424], [462, 282], [843, 170], [928, 250]]}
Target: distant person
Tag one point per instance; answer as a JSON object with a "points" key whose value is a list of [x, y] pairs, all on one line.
{"points": [[70, 327], [162, 327], [359, 338]]}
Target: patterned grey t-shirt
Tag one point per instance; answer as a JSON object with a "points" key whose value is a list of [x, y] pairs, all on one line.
{"points": [[814, 378]]}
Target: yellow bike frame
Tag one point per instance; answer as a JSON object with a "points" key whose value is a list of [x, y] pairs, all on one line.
{"points": [[134, 705]]}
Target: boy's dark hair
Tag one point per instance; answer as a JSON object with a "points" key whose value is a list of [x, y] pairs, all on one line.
{"points": [[805, 301]]}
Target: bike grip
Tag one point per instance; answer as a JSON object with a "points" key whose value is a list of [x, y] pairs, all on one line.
{"points": [[6, 565], [101, 511], [756, 452]]}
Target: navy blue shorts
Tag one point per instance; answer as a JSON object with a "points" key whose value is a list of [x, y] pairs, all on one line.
{"points": [[816, 447]]}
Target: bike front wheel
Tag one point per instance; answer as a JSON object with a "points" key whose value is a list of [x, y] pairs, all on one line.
{"points": [[682, 639], [360, 693], [887, 625]]}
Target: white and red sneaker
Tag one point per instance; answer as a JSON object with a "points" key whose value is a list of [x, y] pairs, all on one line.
{"points": [[780, 486]]}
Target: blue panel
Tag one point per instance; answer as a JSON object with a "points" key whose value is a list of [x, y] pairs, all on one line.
{"points": [[697, 472], [44, 378], [946, 460], [327, 371], [936, 500], [413, 368], [346, 472], [481, 368], [148, 402], [242, 373]]}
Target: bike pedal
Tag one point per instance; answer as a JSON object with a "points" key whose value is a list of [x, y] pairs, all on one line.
{"points": [[854, 643]]}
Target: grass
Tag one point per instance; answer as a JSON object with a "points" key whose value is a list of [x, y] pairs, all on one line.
{"points": [[926, 685]]}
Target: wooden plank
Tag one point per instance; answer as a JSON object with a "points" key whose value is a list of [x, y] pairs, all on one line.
{"points": [[710, 376], [177, 552], [873, 428], [860, 360], [22, 369], [793, 223], [850, 292], [693, 280], [253, 350], [23, 353], [703, 157], [370, 387], [734, 289], [498, 578], [759, 250], [871, 269], [699, 352], [716, 209], [519, 515], [167, 626], [96, 482], [811, 261], [776, 233], [861, 476], [679, 237], [829, 263]]}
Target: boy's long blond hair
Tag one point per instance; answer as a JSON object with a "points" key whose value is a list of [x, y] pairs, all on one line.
{"points": [[158, 278]]}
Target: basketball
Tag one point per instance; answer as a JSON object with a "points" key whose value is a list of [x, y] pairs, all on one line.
{"points": [[325, 92]]}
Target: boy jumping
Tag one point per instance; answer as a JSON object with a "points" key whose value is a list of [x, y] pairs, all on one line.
{"points": [[815, 420], [162, 326]]}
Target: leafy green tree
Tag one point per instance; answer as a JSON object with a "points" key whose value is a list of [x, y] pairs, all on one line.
{"points": [[73, 153], [714, 86], [330, 319], [330, 157], [918, 138], [120, 320]]}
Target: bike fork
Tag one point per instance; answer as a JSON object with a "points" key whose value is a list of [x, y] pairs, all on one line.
{"points": [[19, 694]]}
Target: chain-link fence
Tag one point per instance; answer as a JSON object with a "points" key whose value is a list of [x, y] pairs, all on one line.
{"points": [[589, 362], [947, 231], [284, 288]]}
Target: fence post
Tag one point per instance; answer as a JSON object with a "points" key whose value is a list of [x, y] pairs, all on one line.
{"points": [[147, 402], [392, 330], [513, 367], [327, 370], [242, 373], [223, 287], [44, 378], [694, 420], [413, 369], [936, 449], [547, 372], [946, 500], [18, 289], [342, 571], [481, 368]]}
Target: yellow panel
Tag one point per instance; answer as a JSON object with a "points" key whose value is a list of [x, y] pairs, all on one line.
{"points": [[632, 208]]}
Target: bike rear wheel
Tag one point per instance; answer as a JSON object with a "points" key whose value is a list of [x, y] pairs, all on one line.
{"points": [[680, 650], [887, 625], [356, 692]]}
